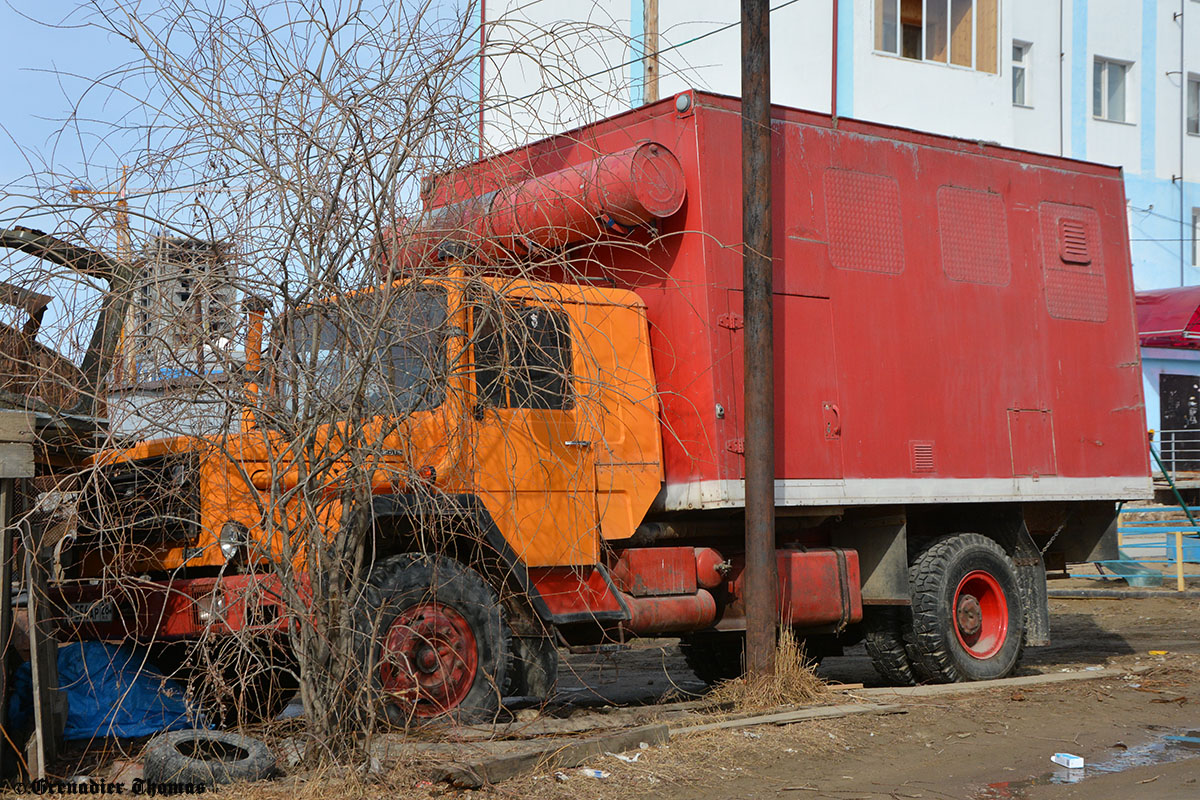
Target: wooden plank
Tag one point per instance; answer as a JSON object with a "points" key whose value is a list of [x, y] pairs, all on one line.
{"points": [[586, 722], [16, 461], [49, 703], [939, 689], [555, 754], [8, 767], [986, 36], [789, 717], [16, 426]]}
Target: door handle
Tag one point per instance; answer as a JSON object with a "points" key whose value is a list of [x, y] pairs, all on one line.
{"points": [[576, 443]]}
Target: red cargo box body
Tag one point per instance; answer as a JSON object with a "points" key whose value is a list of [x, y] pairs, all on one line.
{"points": [[954, 321]]}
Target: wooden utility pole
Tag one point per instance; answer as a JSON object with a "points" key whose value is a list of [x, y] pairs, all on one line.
{"points": [[759, 359], [650, 50]]}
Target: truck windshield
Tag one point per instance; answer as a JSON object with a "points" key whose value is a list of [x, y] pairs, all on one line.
{"points": [[381, 353]]}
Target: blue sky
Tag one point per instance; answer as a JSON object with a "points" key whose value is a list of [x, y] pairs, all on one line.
{"points": [[44, 55], [44, 67]]}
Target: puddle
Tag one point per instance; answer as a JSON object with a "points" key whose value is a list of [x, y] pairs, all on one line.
{"points": [[1161, 751]]}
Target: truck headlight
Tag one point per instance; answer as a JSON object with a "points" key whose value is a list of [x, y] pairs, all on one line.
{"points": [[233, 539], [210, 609]]}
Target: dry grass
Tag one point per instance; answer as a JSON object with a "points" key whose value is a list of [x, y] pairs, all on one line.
{"points": [[793, 683]]}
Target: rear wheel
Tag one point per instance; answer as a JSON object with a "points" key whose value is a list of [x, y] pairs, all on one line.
{"points": [[883, 636], [437, 638], [968, 620]]}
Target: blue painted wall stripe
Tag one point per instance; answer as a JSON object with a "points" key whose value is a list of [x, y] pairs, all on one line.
{"points": [[1149, 68], [637, 52], [845, 82], [1080, 97]]}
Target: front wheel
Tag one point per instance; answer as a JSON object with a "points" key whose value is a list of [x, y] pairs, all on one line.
{"points": [[437, 640], [968, 620]]}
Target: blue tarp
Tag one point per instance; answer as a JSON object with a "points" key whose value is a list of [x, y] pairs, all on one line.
{"points": [[112, 690]]}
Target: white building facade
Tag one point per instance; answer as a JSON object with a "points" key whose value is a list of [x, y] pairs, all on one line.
{"points": [[1112, 81]]}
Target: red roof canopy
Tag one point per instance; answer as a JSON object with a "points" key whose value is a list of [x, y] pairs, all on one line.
{"points": [[1169, 318]]}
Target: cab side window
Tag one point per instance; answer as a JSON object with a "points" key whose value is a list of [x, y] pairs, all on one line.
{"points": [[522, 357]]}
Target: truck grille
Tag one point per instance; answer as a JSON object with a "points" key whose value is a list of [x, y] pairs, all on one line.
{"points": [[149, 501]]}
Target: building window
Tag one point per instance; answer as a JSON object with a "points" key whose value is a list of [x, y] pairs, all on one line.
{"points": [[958, 32], [1193, 105], [1020, 74], [1108, 89], [1195, 232]]}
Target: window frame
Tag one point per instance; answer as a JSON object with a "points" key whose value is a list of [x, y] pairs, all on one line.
{"points": [[1025, 49], [1105, 114], [1195, 235], [297, 370], [883, 9], [1192, 109], [509, 382]]}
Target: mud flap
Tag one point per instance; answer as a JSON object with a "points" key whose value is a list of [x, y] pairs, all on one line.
{"points": [[1031, 577]]}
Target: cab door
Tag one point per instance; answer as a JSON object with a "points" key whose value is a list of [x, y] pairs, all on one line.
{"points": [[534, 454]]}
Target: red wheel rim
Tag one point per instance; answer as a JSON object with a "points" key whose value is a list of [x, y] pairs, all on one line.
{"points": [[980, 614], [428, 660]]}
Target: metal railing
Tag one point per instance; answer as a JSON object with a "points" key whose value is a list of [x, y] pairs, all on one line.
{"points": [[1180, 453], [1157, 541]]}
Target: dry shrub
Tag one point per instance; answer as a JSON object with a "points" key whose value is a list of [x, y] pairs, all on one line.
{"points": [[794, 681]]}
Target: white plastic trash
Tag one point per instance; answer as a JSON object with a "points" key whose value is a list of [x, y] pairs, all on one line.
{"points": [[1067, 760]]}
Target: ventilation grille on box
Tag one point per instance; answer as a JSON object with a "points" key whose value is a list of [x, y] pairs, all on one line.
{"points": [[1073, 242], [921, 456]]}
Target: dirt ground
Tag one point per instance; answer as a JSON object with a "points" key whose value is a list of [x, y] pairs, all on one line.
{"points": [[989, 745], [995, 744]]}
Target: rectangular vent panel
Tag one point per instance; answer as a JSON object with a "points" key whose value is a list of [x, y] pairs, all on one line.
{"points": [[973, 228], [920, 456], [1073, 262], [863, 214]]}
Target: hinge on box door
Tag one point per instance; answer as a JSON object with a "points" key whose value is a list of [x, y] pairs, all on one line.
{"points": [[731, 321], [736, 446]]}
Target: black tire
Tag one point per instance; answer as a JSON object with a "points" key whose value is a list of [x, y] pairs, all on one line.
{"points": [[883, 636], [713, 656], [208, 758], [406, 592], [533, 673], [947, 612]]}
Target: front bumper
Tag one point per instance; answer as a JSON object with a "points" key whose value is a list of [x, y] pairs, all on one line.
{"points": [[146, 611]]}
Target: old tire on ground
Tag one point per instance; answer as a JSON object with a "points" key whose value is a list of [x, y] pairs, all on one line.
{"points": [[437, 640], [883, 636], [206, 757], [713, 656], [968, 618]]}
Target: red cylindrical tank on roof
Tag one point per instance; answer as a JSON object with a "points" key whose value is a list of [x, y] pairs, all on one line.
{"points": [[614, 192]]}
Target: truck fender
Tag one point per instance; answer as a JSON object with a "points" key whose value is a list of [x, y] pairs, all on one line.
{"points": [[558, 595]]}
